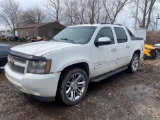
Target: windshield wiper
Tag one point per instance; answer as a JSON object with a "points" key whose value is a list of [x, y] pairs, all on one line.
{"points": [[69, 40]]}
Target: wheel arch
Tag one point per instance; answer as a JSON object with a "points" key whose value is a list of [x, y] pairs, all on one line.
{"points": [[83, 65], [138, 52]]}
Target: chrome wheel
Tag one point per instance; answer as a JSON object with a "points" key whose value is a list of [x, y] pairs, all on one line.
{"points": [[135, 63], [75, 87]]}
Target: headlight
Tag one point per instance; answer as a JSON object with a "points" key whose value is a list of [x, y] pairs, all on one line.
{"points": [[39, 67]]}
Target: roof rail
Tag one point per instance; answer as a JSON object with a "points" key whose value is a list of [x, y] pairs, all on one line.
{"points": [[112, 24], [118, 24], [105, 23]]}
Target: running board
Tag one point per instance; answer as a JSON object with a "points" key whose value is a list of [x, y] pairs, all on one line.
{"points": [[106, 75]]}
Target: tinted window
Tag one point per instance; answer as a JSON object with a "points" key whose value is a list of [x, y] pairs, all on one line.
{"points": [[78, 35], [131, 35], [105, 32], [121, 35]]}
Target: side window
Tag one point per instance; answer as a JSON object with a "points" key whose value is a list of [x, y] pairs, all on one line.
{"points": [[121, 35], [131, 35], [105, 32]]}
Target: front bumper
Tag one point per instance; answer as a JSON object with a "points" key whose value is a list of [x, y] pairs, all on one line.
{"points": [[32, 84]]}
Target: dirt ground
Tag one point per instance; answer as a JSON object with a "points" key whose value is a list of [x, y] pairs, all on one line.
{"points": [[124, 96]]}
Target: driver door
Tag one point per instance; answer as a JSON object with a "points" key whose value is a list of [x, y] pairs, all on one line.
{"points": [[104, 57]]}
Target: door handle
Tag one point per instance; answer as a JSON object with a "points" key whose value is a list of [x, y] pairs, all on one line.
{"points": [[128, 47], [114, 50]]}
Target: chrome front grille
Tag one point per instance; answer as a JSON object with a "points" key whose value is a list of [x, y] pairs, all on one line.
{"points": [[17, 64], [20, 60], [16, 68]]}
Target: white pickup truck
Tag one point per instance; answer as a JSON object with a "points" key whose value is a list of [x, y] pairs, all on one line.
{"points": [[79, 54]]}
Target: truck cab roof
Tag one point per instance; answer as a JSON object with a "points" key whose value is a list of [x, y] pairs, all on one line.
{"points": [[98, 25]]}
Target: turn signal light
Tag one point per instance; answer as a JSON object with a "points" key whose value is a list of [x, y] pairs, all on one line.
{"points": [[48, 66]]}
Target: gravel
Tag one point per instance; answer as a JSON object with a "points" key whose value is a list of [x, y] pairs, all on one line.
{"points": [[124, 96]]}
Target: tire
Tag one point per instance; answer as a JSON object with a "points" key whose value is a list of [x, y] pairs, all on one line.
{"points": [[73, 86], [145, 57], [154, 56], [134, 64]]}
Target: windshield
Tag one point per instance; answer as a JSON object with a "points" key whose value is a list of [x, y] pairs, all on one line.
{"points": [[77, 35]]}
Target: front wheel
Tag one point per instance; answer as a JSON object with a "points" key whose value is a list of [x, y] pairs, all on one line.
{"points": [[133, 67], [73, 86]]}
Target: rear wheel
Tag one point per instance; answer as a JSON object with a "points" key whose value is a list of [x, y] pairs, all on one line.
{"points": [[73, 86], [133, 67]]}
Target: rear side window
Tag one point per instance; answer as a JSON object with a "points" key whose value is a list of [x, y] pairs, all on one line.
{"points": [[131, 35], [105, 32], [121, 35]]}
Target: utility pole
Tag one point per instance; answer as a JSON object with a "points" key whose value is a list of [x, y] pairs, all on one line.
{"points": [[136, 17], [157, 22]]}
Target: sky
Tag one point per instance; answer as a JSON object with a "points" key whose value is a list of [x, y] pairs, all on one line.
{"points": [[123, 18], [25, 4], [30, 3]]}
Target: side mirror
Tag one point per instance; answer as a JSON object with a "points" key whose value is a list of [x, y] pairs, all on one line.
{"points": [[103, 41]]}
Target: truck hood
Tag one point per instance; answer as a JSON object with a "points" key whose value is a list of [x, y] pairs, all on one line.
{"points": [[41, 48]]}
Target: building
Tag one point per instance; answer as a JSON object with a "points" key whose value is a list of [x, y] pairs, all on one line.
{"points": [[48, 30], [5, 33]]}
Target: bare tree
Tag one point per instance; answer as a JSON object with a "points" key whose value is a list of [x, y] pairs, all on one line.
{"points": [[99, 17], [113, 8], [70, 5], [71, 12], [149, 12], [83, 11], [10, 10], [75, 12], [146, 8], [32, 15], [93, 11], [54, 9]]}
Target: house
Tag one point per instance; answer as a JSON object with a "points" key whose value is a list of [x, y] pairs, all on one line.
{"points": [[48, 30]]}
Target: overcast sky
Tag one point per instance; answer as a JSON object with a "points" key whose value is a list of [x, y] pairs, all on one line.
{"points": [[25, 4], [123, 17], [30, 3]]}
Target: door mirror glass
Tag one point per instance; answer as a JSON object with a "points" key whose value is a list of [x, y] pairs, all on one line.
{"points": [[103, 41]]}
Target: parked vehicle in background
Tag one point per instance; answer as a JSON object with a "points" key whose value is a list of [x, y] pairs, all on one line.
{"points": [[157, 46], [150, 52], [3, 55], [76, 56]]}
